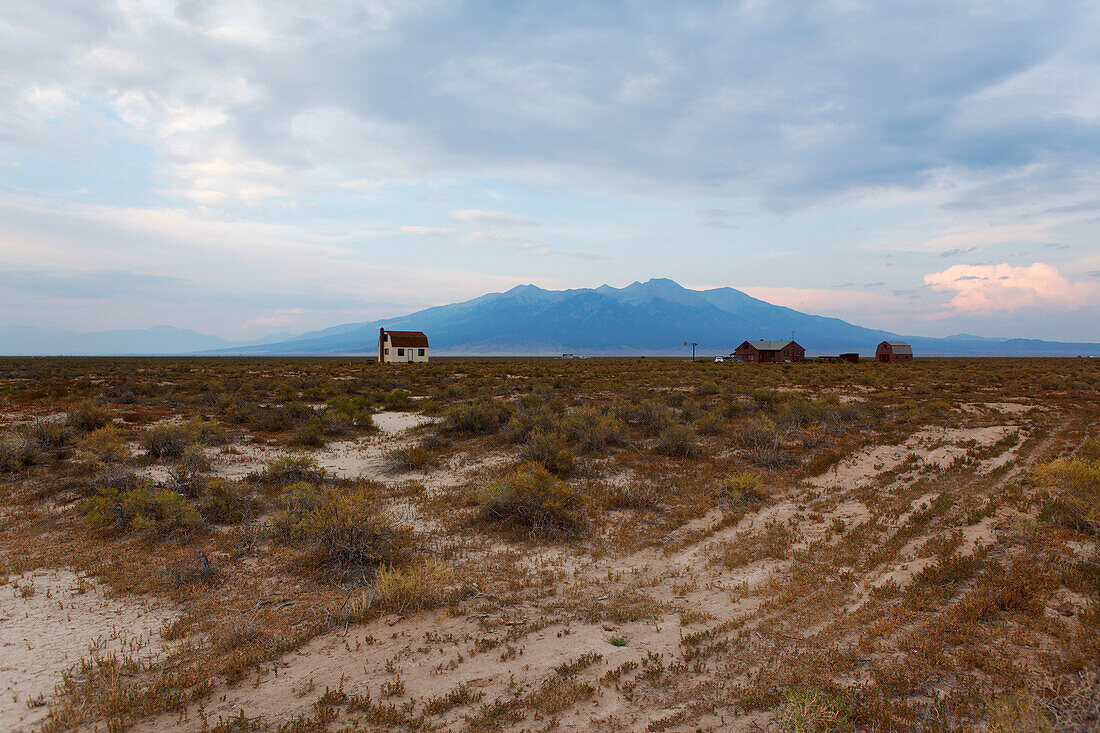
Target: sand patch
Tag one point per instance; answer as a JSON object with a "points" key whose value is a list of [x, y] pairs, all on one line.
{"points": [[47, 630]]}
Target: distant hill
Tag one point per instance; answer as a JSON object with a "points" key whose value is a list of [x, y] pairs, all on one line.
{"points": [[655, 317]]}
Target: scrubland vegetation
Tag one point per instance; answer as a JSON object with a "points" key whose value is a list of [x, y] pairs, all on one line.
{"points": [[619, 544]]}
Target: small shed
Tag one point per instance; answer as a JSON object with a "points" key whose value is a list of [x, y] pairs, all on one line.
{"points": [[894, 351], [402, 347], [767, 352]]}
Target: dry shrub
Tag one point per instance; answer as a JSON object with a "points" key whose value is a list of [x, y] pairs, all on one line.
{"points": [[653, 416], [51, 434], [141, 508], [226, 502], [87, 417], [532, 416], [287, 470], [813, 710], [310, 434], [550, 451], [194, 460], [1069, 493], [760, 441], [165, 441], [412, 458], [477, 418], [709, 425], [592, 429], [105, 445], [533, 498], [16, 451], [344, 532], [677, 440], [205, 432], [642, 495]]}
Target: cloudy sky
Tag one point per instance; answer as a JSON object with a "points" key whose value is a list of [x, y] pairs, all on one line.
{"points": [[246, 167]]}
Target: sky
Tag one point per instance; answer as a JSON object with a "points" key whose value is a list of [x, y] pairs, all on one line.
{"points": [[242, 168]]}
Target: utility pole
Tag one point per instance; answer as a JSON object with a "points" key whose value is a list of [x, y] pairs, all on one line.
{"points": [[693, 345]]}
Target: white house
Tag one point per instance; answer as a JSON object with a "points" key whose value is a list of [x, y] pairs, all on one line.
{"points": [[402, 347]]}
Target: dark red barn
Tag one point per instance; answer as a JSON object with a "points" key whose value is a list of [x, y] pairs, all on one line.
{"points": [[894, 351]]}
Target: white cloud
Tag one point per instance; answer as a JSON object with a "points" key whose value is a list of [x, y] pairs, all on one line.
{"points": [[985, 289], [497, 219], [427, 231]]}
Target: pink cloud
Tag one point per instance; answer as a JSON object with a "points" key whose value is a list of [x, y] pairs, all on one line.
{"points": [[983, 289]]}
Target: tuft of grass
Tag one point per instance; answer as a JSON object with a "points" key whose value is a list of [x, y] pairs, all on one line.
{"points": [[813, 710], [422, 585], [1017, 712], [742, 488], [1069, 493]]}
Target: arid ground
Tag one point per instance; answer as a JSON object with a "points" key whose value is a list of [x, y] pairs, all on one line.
{"points": [[605, 544]]}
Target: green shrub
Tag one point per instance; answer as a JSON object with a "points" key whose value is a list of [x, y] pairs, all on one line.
{"points": [[357, 410], [344, 532], [226, 502], [550, 451], [656, 417], [105, 445], [533, 498], [165, 441], [398, 399], [141, 508], [291, 469]]}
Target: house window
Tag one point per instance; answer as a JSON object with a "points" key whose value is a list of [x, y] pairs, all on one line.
{"points": [[420, 352], [387, 352], [400, 352]]}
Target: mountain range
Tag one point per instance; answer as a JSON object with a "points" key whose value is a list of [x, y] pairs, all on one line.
{"points": [[657, 317]]}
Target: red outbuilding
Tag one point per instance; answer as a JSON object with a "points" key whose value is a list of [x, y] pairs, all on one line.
{"points": [[766, 352], [894, 351]]}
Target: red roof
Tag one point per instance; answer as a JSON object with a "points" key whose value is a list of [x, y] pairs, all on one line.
{"points": [[408, 338]]}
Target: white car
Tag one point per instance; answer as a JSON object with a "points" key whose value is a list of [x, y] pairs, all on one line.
{"points": [[719, 359]]}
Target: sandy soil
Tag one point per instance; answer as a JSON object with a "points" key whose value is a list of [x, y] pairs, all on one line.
{"points": [[47, 630]]}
